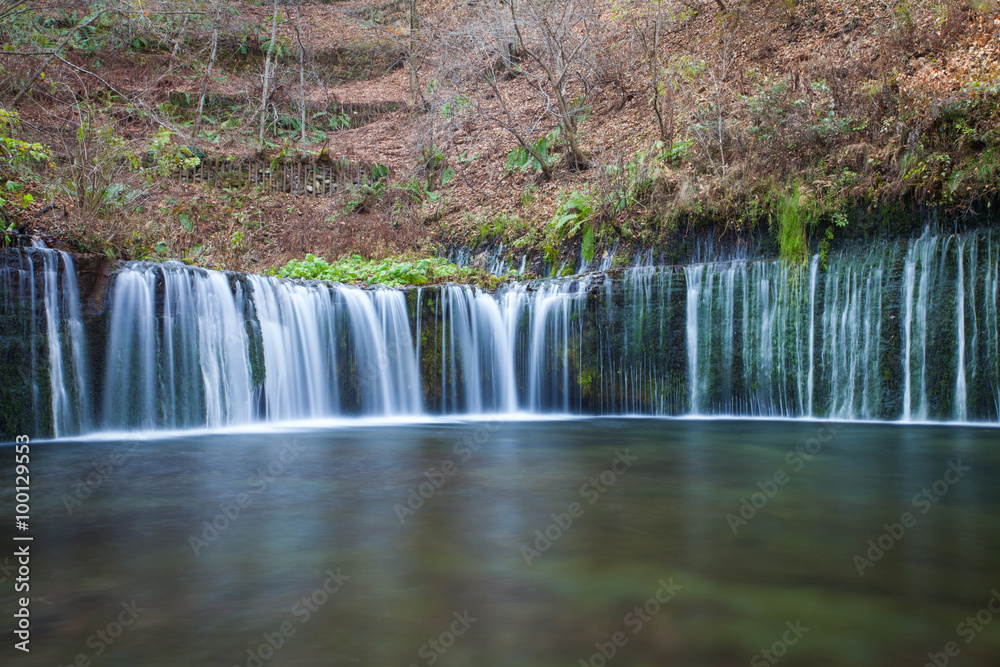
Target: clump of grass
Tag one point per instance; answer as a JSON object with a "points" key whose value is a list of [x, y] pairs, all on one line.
{"points": [[794, 214]]}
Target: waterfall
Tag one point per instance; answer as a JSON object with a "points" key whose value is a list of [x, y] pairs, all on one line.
{"points": [[44, 341], [960, 387], [178, 350], [478, 355], [517, 350], [389, 380], [296, 325], [554, 348], [67, 344], [900, 331], [694, 296]]}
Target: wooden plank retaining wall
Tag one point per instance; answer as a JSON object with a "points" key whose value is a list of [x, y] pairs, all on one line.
{"points": [[312, 178]]}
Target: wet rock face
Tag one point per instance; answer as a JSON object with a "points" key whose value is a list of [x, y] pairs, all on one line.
{"points": [[94, 279]]}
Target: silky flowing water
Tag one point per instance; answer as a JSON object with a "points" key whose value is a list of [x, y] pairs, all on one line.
{"points": [[904, 331], [416, 529]]}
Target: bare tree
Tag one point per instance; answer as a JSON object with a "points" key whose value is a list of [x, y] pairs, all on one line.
{"points": [[548, 46], [267, 76], [211, 64], [52, 55], [710, 126], [302, 71], [559, 37], [650, 28], [414, 80]]}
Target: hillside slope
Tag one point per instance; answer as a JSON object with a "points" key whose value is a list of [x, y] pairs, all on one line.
{"points": [[554, 128]]}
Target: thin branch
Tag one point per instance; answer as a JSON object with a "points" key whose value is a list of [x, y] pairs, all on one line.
{"points": [[52, 55]]}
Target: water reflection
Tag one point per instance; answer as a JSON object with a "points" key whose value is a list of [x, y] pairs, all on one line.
{"points": [[224, 540]]}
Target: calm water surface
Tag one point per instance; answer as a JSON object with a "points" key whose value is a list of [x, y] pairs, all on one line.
{"points": [[424, 533]]}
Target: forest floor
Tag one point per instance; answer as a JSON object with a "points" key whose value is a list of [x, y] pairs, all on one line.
{"points": [[782, 118]]}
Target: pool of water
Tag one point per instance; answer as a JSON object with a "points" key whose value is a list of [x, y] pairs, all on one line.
{"points": [[559, 543]]}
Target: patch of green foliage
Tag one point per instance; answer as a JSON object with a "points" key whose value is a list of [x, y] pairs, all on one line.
{"points": [[589, 245], [17, 159], [391, 272], [576, 209], [520, 159], [361, 198], [794, 215]]}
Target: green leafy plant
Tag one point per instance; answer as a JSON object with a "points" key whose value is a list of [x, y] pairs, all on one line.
{"points": [[327, 120], [576, 209], [520, 159], [528, 196], [362, 198], [454, 106], [13, 151], [7, 230], [678, 152], [168, 157], [392, 272], [18, 160], [589, 244]]}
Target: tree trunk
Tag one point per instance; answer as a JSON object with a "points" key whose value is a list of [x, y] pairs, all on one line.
{"points": [[414, 81], [302, 71], [664, 116], [267, 77], [208, 73], [180, 38]]}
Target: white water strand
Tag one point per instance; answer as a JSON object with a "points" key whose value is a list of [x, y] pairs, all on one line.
{"points": [[551, 346], [961, 413], [129, 375], [223, 351], [66, 341], [851, 340], [188, 367], [811, 378], [389, 383], [991, 320], [479, 361], [297, 326], [693, 274], [926, 251]]}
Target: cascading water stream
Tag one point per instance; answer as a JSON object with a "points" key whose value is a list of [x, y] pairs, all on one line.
{"points": [[178, 350], [42, 342], [900, 331]]}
